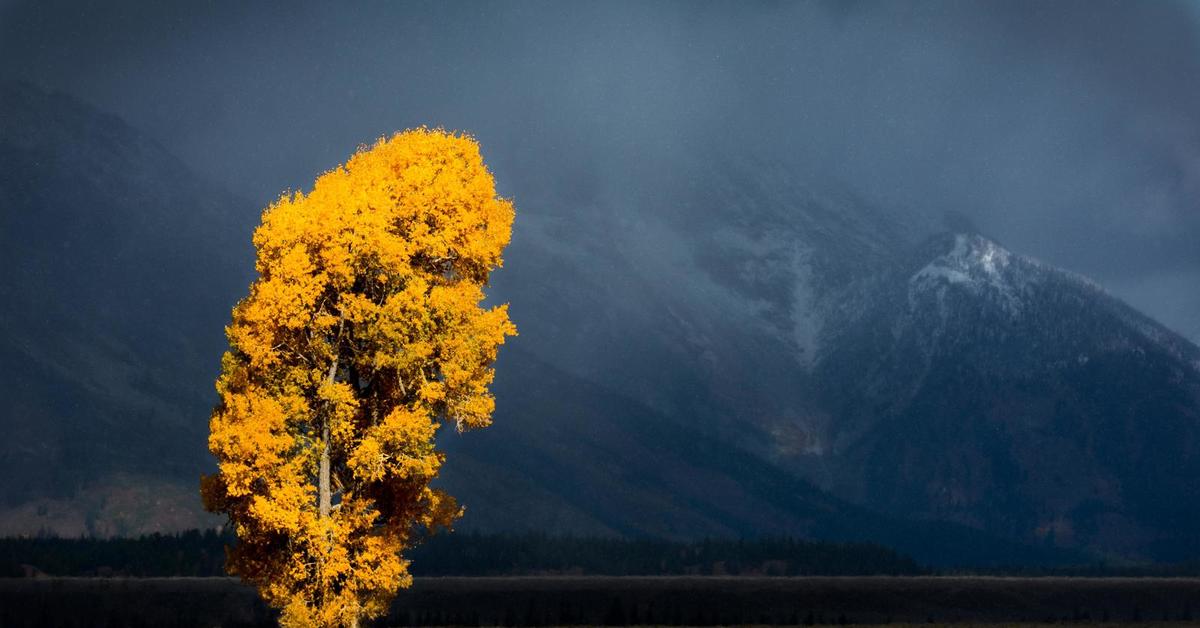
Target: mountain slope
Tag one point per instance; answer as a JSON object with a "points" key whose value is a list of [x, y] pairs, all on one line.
{"points": [[696, 364], [125, 268], [704, 300], [119, 278], [567, 455], [983, 387]]}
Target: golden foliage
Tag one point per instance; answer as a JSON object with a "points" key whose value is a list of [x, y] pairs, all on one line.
{"points": [[362, 334]]}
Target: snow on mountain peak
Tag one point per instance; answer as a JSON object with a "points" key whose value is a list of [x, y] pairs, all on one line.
{"points": [[975, 264]]}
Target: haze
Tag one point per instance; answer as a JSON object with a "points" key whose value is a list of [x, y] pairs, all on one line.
{"points": [[1069, 131]]}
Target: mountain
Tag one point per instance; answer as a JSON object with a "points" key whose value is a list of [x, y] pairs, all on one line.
{"points": [[710, 311], [568, 456], [729, 353], [118, 280], [979, 386], [124, 265], [936, 377]]}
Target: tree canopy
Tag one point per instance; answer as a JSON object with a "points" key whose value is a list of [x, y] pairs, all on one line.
{"points": [[363, 333]]}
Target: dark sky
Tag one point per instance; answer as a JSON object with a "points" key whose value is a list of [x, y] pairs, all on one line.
{"points": [[1069, 131]]}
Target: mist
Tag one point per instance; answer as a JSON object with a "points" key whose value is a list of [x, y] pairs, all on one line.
{"points": [[1067, 131]]}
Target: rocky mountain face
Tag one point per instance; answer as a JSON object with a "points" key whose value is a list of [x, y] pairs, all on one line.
{"points": [[937, 377], [975, 385], [735, 354]]}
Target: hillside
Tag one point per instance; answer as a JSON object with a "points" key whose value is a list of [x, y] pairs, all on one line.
{"points": [[736, 354], [983, 387], [121, 267]]}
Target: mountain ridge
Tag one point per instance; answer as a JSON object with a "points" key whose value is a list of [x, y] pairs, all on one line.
{"points": [[1026, 386], [761, 357]]}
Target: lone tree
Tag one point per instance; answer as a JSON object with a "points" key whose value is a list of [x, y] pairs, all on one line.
{"points": [[361, 336]]}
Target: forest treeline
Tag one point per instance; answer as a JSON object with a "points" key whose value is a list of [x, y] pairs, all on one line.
{"points": [[202, 553]]}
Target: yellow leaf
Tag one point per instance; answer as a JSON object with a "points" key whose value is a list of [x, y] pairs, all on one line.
{"points": [[363, 328]]}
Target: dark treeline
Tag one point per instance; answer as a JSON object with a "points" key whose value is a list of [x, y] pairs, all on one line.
{"points": [[196, 553], [530, 554], [1099, 569], [191, 553]]}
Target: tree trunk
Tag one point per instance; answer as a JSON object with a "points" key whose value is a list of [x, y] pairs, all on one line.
{"points": [[324, 496], [323, 475]]}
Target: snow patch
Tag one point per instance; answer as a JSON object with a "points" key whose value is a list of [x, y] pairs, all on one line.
{"points": [[975, 264], [806, 319]]}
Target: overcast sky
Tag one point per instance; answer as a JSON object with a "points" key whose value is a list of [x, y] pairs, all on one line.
{"points": [[1069, 131]]}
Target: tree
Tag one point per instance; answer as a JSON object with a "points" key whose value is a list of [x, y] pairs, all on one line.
{"points": [[362, 334]]}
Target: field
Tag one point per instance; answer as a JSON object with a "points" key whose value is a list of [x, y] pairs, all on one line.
{"points": [[561, 600]]}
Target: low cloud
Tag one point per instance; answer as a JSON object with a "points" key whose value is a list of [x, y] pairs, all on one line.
{"points": [[1068, 130]]}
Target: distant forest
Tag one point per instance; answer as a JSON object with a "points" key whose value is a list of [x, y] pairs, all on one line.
{"points": [[202, 553], [196, 553]]}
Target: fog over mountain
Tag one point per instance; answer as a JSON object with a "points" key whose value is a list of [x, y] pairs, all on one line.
{"points": [[827, 269], [1068, 131]]}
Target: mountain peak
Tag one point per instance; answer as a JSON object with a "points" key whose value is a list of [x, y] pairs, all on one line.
{"points": [[973, 263], [973, 251]]}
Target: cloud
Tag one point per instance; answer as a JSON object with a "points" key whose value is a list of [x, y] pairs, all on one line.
{"points": [[1068, 130]]}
